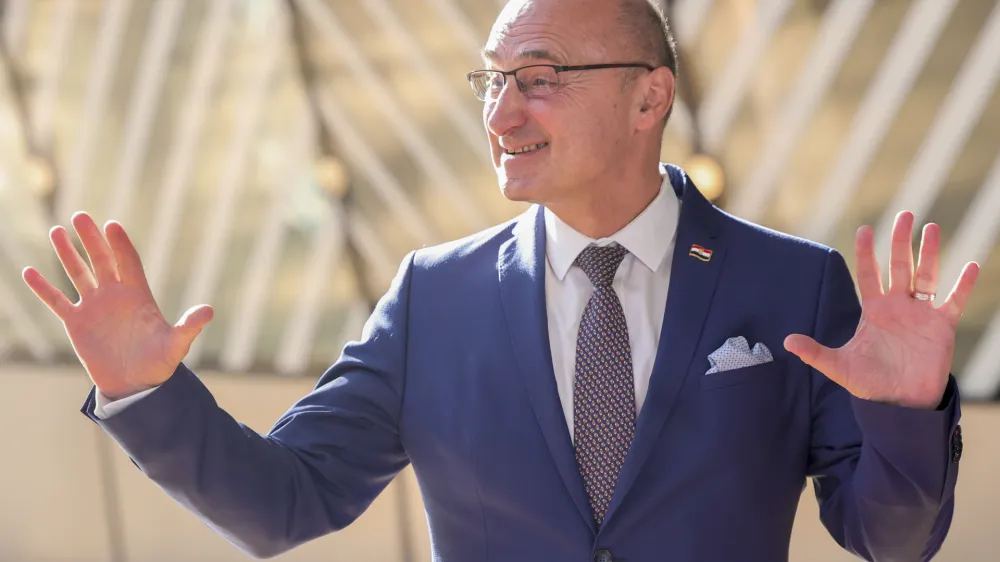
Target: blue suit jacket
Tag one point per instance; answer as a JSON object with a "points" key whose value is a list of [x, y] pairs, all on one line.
{"points": [[453, 374]]}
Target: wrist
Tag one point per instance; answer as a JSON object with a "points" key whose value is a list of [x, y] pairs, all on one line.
{"points": [[930, 401], [115, 393]]}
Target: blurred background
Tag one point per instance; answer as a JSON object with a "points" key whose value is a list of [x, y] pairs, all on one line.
{"points": [[277, 158]]}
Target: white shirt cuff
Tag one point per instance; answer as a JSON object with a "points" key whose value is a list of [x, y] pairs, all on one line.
{"points": [[105, 408]]}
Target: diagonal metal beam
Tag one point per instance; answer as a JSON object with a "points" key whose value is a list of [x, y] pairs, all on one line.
{"points": [[27, 331], [691, 17], [977, 236], [893, 82], [681, 120], [971, 92], [328, 247], [366, 161], [31, 334], [12, 22], [841, 24], [95, 99], [723, 102], [300, 329], [460, 25], [183, 152], [15, 17], [978, 231], [415, 141], [210, 258], [146, 90], [466, 123], [11, 246], [686, 97], [365, 236], [981, 380], [48, 87], [243, 328], [34, 334]]}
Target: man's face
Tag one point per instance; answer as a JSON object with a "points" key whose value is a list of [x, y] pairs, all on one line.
{"points": [[582, 127]]}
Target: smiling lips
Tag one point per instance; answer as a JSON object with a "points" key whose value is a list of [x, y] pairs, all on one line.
{"points": [[526, 149]]}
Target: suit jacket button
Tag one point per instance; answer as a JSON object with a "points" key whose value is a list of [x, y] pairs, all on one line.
{"points": [[956, 444], [603, 556]]}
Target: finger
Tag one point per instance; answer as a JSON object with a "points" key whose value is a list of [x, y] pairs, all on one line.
{"points": [[53, 298], [926, 278], [954, 305], [817, 356], [869, 274], [901, 255], [126, 256], [194, 321], [101, 258], [76, 268]]}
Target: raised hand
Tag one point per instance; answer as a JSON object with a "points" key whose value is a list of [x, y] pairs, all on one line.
{"points": [[117, 330], [902, 351]]}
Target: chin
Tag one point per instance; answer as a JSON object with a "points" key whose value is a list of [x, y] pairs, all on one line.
{"points": [[520, 190]]}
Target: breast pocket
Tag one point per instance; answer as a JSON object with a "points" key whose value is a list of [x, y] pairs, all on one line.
{"points": [[764, 373]]}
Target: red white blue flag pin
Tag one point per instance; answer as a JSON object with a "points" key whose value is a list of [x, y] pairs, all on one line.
{"points": [[701, 253]]}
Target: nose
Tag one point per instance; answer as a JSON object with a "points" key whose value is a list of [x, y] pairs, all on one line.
{"points": [[507, 112]]}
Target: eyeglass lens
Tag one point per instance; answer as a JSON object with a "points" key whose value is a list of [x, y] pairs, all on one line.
{"points": [[533, 81]]}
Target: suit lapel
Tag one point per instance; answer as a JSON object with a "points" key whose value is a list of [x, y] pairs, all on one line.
{"points": [[692, 285], [521, 268]]}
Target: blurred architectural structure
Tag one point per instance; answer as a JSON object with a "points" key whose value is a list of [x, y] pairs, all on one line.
{"points": [[189, 122]]}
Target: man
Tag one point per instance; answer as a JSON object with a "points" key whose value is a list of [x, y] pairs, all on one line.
{"points": [[624, 372]]}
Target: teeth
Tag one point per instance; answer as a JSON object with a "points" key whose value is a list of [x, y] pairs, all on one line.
{"points": [[529, 148]]}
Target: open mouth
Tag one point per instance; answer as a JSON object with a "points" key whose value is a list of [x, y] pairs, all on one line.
{"points": [[526, 150]]}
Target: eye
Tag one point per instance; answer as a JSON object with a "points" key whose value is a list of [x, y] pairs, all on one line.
{"points": [[538, 80], [542, 81]]}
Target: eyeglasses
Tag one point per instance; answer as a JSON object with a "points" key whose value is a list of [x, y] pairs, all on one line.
{"points": [[534, 81]]}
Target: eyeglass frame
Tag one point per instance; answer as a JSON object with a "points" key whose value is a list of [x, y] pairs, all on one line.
{"points": [[559, 68]]}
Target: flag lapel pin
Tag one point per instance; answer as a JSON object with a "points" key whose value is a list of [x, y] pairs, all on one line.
{"points": [[701, 253]]}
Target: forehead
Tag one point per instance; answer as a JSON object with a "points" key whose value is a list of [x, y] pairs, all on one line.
{"points": [[560, 31]]}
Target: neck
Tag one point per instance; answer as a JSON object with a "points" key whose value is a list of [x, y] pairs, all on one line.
{"points": [[602, 209]]}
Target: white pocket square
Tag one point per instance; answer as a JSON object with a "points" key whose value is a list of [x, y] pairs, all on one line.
{"points": [[736, 354]]}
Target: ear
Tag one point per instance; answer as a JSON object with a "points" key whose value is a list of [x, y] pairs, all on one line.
{"points": [[657, 90]]}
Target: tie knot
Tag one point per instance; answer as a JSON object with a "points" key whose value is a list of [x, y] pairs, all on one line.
{"points": [[600, 263]]}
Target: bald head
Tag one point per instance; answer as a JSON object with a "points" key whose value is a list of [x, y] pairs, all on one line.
{"points": [[638, 27]]}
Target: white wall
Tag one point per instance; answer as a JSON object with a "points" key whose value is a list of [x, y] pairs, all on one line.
{"points": [[52, 479]]}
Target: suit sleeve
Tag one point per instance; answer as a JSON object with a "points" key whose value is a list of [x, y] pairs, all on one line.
{"points": [[884, 475], [316, 471]]}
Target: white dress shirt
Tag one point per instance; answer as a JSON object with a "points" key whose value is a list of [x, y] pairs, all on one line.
{"points": [[104, 407], [641, 284]]}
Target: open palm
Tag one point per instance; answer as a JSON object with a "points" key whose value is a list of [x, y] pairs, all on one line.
{"points": [[117, 329], [903, 348]]}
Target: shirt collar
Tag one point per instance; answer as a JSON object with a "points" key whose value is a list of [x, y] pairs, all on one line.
{"points": [[647, 237]]}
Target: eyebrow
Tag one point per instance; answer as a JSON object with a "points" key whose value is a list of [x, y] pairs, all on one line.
{"points": [[530, 54]]}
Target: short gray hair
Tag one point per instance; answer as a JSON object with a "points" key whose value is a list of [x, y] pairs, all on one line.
{"points": [[648, 30]]}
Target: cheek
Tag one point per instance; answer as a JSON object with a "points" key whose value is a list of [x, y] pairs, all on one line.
{"points": [[560, 122], [584, 134], [542, 115], [581, 135]]}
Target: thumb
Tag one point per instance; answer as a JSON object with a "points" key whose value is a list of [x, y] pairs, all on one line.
{"points": [[194, 321], [814, 354]]}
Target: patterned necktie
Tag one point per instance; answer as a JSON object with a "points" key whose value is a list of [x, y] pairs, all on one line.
{"points": [[603, 388]]}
